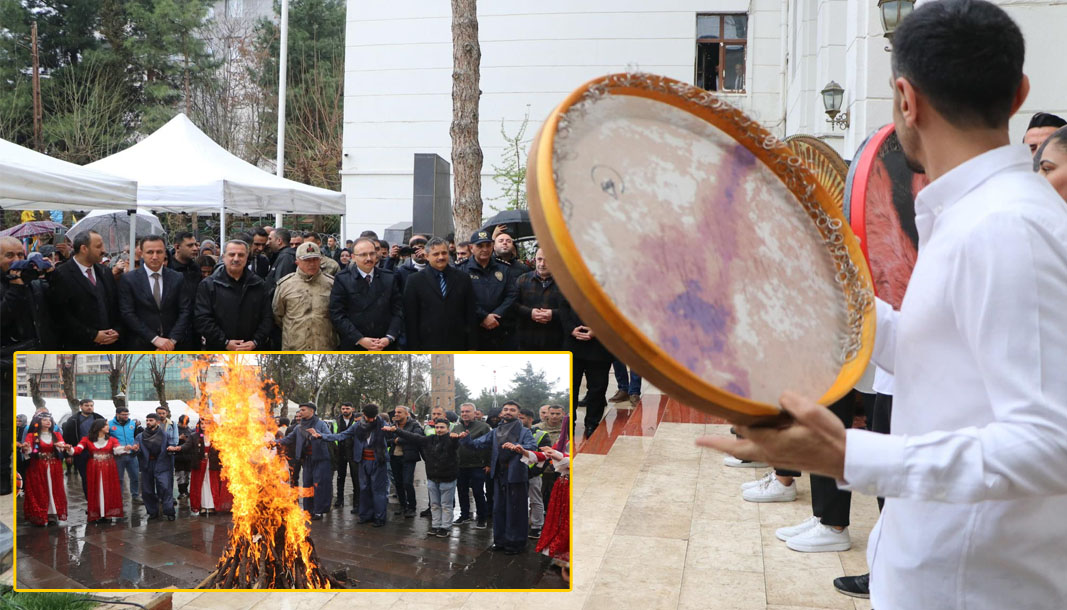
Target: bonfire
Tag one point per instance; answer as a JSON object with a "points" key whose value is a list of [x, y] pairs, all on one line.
{"points": [[269, 545]]}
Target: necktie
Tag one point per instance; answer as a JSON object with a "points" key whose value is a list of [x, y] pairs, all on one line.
{"points": [[441, 279], [157, 291], [369, 277], [89, 274]]}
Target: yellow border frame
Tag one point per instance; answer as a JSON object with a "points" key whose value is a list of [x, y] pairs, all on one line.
{"points": [[597, 308], [14, 496]]}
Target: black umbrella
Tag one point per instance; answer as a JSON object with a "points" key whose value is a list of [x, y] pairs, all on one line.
{"points": [[517, 222]]}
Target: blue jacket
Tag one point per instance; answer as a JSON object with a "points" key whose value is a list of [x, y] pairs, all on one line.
{"points": [[125, 434], [517, 471], [319, 449], [164, 462], [362, 429]]}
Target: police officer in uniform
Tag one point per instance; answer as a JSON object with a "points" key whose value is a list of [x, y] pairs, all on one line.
{"points": [[302, 304], [495, 293]]}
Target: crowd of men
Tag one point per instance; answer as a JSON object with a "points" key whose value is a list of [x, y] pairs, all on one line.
{"points": [[467, 455], [277, 289]]}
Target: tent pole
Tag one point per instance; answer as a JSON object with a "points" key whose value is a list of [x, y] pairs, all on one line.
{"points": [[222, 225], [132, 215]]}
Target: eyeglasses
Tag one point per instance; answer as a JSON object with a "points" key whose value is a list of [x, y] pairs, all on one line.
{"points": [[364, 255]]}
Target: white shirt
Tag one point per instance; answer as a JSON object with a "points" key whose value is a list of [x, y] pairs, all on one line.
{"points": [[975, 471]]}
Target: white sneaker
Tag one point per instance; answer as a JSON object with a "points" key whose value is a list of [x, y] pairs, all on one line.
{"points": [[820, 539], [771, 491], [733, 462], [785, 533], [761, 481]]}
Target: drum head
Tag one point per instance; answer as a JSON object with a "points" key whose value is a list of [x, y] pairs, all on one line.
{"points": [[823, 161], [698, 247], [880, 207]]}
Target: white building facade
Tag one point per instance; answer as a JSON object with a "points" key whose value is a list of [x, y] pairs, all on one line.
{"points": [[770, 58]]}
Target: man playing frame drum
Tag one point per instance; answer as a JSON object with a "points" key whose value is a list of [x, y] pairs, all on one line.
{"points": [[975, 472]]}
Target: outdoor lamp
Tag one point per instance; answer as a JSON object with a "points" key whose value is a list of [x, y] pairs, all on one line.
{"points": [[832, 96], [891, 12]]}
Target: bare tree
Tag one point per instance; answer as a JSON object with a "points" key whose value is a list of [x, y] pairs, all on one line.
{"points": [[466, 151], [158, 365], [120, 369], [68, 378]]}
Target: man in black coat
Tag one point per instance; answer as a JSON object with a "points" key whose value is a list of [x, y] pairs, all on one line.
{"points": [[233, 306], [85, 298], [590, 359], [495, 293], [344, 459], [74, 429], [284, 261], [366, 302], [537, 309], [153, 302], [417, 262], [438, 304]]}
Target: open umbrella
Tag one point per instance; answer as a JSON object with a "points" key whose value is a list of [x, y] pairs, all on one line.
{"points": [[517, 221], [114, 227], [31, 228]]}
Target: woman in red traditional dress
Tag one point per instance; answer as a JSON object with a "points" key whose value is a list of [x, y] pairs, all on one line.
{"points": [[207, 494], [101, 472], [45, 500], [555, 540]]}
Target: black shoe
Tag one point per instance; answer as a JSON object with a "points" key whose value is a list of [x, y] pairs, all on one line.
{"points": [[316, 517], [461, 520], [480, 524], [170, 517], [426, 513], [379, 523], [535, 533], [362, 521], [442, 532], [498, 547], [409, 514], [337, 504], [854, 586], [399, 511], [355, 511], [512, 551], [431, 532], [153, 517]]}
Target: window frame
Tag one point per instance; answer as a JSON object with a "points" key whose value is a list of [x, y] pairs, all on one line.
{"points": [[723, 42]]}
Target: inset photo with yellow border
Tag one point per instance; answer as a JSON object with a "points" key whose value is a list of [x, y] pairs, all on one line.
{"points": [[298, 471]]}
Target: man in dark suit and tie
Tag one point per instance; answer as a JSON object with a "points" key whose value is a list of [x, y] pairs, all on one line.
{"points": [[438, 303], [366, 303], [85, 298], [157, 311]]}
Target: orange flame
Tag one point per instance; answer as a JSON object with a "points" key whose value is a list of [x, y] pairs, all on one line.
{"points": [[236, 416]]}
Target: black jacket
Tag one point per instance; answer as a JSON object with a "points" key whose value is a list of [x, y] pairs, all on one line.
{"points": [[439, 452], [173, 319], [535, 293], [360, 310], [411, 448], [584, 350], [434, 322], [344, 448], [76, 311], [228, 309], [284, 264], [259, 264], [495, 291], [193, 451], [71, 436], [405, 271]]}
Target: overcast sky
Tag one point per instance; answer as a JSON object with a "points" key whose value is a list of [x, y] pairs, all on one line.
{"points": [[476, 370]]}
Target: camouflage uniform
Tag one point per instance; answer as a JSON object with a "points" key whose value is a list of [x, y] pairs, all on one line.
{"points": [[330, 266], [302, 310]]}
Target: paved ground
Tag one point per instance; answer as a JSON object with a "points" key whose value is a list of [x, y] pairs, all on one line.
{"points": [[137, 553]]}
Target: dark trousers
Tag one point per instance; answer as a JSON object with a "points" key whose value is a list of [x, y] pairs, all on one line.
{"points": [[317, 475], [404, 479], [7, 408], [510, 517], [879, 422], [81, 461], [157, 486], [548, 479], [472, 479], [373, 490], [499, 339], [352, 470], [829, 503], [596, 380]]}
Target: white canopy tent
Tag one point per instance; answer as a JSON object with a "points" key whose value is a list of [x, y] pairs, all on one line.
{"points": [[179, 169], [59, 408], [30, 180]]}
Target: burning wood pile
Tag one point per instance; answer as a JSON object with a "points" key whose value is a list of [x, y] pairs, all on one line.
{"points": [[269, 546]]}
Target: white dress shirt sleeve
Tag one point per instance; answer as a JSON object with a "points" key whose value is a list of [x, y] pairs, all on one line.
{"points": [[1008, 291], [885, 336]]}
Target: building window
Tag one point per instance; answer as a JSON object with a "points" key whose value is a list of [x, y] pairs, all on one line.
{"points": [[722, 41]]}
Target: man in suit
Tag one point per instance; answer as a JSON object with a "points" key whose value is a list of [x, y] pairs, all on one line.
{"points": [[233, 306], [366, 304], [345, 464], [85, 299], [438, 303], [74, 429], [592, 360], [153, 303], [510, 478]]}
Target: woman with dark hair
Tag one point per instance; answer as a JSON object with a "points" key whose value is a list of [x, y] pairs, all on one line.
{"points": [[183, 461], [101, 472], [45, 501], [1051, 161], [207, 491], [345, 258]]}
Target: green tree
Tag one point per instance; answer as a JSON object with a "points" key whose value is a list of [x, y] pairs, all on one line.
{"points": [[511, 173], [529, 388], [462, 393], [485, 399]]}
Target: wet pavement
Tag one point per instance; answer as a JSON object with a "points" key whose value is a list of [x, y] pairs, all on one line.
{"points": [[142, 554]]}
